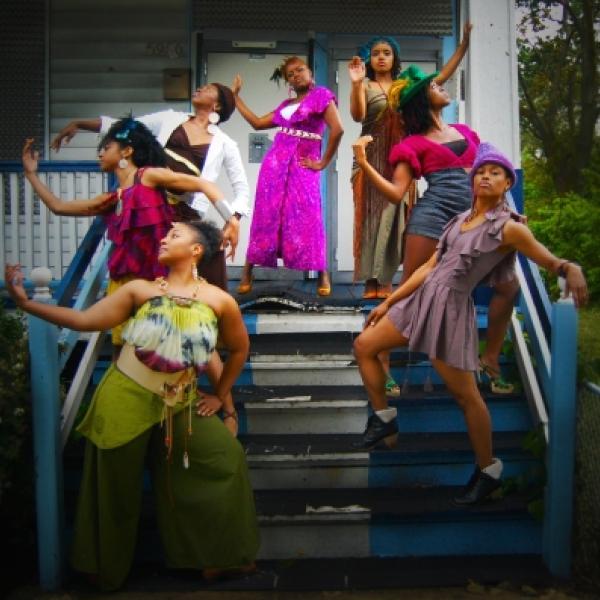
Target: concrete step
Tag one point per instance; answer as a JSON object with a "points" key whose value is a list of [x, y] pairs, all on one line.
{"points": [[396, 522], [330, 461], [344, 409]]}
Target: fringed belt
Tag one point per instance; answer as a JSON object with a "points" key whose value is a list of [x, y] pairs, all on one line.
{"points": [[173, 388], [300, 133]]}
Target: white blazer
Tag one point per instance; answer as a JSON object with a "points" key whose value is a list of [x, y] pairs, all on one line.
{"points": [[222, 152]]}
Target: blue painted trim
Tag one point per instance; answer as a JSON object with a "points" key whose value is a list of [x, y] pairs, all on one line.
{"points": [[560, 456], [251, 322], [80, 262], [517, 192], [50, 166], [43, 350], [511, 535]]}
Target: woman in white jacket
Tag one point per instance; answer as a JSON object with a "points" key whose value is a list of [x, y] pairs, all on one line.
{"points": [[195, 145]]}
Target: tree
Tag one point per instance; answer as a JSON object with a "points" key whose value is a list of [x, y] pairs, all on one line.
{"points": [[559, 86]]}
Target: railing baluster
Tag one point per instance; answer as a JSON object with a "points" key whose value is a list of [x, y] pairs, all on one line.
{"points": [[14, 219], [43, 351]]}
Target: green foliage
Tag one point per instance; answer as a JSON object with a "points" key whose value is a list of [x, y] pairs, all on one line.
{"points": [[17, 514], [569, 226]]}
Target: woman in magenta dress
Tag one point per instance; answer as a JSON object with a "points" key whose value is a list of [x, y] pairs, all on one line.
{"points": [[287, 222]]}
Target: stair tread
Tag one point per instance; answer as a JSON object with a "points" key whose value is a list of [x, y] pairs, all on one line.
{"points": [[389, 503], [320, 393], [408, 443]]}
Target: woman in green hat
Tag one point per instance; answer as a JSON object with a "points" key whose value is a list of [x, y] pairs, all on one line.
{"points": [[444, 155]]}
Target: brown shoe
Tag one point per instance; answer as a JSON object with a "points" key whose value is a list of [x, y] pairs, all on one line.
{"points": [[211, 574]]}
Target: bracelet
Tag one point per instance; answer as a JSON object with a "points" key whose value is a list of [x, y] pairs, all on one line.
{"points": [[561, 268], [230, 415], [224, 209]]}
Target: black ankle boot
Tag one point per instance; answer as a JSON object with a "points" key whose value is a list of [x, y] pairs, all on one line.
{"points": [[479, 487], [377, 431]]}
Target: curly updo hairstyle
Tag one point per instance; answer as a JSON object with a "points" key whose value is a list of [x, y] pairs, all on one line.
{"points": [[147, 151], [208, 235]]}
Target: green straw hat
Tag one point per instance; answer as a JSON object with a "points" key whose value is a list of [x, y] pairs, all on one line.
{"points": [[416, 79]]}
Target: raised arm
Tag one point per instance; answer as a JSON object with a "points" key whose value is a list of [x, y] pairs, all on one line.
{"points": [[518, 236], [336, 131], [106, 313], [66, 134], [358, 95], [256, 122], [162, 177], [450, 67], [72, 208], [393, 190]]}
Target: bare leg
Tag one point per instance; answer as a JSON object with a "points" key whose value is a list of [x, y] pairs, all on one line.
{"points": [[370, 289], [417, 251], [367, 346], [463, 387], [499, 314], [246, 280], [323, 284]]}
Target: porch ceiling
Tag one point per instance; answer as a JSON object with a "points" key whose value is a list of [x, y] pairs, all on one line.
{"points": [[397, 17]]}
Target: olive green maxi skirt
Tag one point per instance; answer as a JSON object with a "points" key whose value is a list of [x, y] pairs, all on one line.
{"points": [[206, 514]]}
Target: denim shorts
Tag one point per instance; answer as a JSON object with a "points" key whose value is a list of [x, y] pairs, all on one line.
{"points": [[448, 194]]}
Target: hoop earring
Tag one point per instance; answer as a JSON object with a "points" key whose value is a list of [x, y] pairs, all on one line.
{"points": [[195, 272], [213, 119], [123, 163], [291, 92]]}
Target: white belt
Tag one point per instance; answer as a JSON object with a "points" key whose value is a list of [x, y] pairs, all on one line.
{"points": [[300, 133]]}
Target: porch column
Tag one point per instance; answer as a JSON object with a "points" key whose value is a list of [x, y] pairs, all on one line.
{"points": [[492, 95]]}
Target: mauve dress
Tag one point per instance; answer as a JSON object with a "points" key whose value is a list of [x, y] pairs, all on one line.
{"points": [[439, 317], [287, 220]]}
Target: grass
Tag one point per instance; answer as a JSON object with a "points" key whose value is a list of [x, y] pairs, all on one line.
{"points": [[589, 344]]}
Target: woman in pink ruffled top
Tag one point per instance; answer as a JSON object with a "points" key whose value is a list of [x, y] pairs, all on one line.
{"points": [[287, 222]]}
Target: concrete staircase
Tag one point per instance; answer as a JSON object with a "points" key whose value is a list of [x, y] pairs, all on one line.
{"points": [[333, 517]]}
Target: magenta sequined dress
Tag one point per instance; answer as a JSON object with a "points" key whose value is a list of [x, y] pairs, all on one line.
{"points": [[136, 225], [287, 220]]}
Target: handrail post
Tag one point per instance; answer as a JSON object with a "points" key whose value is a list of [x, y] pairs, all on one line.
{"points": [[43, 351], [560, 458]]}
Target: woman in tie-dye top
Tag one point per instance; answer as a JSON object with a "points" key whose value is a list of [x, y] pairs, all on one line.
{"points": [[142, 409]]}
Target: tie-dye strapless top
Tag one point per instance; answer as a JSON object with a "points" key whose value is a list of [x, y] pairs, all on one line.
{"points": [[171, 336]]}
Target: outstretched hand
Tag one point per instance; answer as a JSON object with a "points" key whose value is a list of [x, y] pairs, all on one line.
{"points": [[13, 279], [359, 148], [30, 157], [64, 136], [576, 285], [468, 26], [231, 234], [236, 86], [376, 315], [309, 163], [357, 69]]}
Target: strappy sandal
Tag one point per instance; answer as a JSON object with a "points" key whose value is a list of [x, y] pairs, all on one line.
{"points": [[391, 387], [498, 385]]}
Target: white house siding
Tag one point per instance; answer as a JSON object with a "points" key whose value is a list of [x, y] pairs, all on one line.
{"points": [[108, 58]]}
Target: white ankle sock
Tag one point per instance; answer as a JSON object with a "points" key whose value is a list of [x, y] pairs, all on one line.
{"points": [[495, 469], [387, 414]]}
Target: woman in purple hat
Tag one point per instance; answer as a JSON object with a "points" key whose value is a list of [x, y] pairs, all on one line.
{"points": [[443, 154], [433, 311]]}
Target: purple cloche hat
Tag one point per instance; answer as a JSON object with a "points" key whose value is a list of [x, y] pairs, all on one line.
{"points": [[486, 153]]}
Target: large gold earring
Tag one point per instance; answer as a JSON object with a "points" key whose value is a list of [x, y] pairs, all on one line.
{"points": [[195, 272], [123, 163]]}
